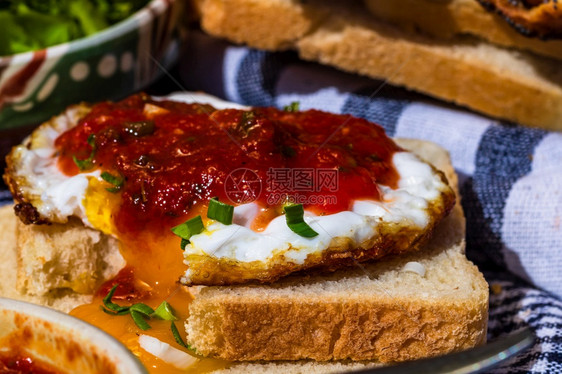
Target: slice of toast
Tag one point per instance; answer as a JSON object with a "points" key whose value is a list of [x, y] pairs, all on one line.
{"points": [[63, 299], [500, 82], [378, 311], [64, 256], [450, 18]]}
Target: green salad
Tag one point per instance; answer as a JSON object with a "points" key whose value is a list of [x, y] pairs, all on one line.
{"points": [[27, 25]]}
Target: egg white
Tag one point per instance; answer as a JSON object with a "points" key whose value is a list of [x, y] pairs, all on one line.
{"points": [[407, 205]]}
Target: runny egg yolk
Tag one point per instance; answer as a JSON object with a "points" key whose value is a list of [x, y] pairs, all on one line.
{"points": [[154, 279]]}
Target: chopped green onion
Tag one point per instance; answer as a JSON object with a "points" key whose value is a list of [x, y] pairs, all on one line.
{"points": [[112, 313], [183, 244], [293, 107], [107, 298], [139, 320], [375, 157], [165, 311], [136, 311], [142, 308], [116, 181], [140, 128], [91, 141], [189, 228], [178, 338], [220, 211], [141, 312], [87, 163], [111, 305], [294, 215]]}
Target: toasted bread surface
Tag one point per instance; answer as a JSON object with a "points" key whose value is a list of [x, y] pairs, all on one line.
{"points": [[447, 19], [297, 367], [376, 311], [277, 24], [505, 83]]}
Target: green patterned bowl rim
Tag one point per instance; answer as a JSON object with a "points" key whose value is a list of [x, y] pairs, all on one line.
{"points": [[151, 10]]}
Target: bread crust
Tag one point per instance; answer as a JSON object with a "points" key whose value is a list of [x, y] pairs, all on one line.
{"points": [[530, 17], [376, 329], [61, 299], [454, 18]]}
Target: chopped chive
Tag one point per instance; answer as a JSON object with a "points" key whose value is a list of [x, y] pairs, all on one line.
{"points": [[294, 215], [140, 312], [107, 298], [142, 308], [91, 140], [116, 181], [139, 320], [83, 164], [220, 211], [87, 163], [293, 107], [111, 305], [189, 228], [178, 338], [165, 311], [183, 244], [112, 313]]}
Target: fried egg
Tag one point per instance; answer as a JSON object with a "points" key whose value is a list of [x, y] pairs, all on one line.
{"points": [[372, 229], [401, 220]]}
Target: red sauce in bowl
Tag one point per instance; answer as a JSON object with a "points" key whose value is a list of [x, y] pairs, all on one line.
{"points": [[22, 364]]}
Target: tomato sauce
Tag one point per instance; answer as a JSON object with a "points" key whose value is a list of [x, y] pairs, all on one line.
{"points": [[186, 153], [21, 364]]}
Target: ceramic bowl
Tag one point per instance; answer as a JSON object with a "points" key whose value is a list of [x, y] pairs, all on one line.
{"points": [[61, 341], [108, 65]]}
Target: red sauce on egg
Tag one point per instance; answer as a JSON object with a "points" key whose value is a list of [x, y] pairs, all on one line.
{"points": [[188, 153]]}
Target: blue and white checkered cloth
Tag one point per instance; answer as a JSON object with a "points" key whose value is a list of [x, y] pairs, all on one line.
{"points": [[510, 176]]}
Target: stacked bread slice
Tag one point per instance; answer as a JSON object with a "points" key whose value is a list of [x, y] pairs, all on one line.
{"points": [[453, 50]]}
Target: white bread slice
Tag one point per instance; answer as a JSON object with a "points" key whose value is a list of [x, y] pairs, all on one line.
{"points": [[500, 82], [447, 308], [61, 299], [449, 18], [64, 256], [375, 311]]}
